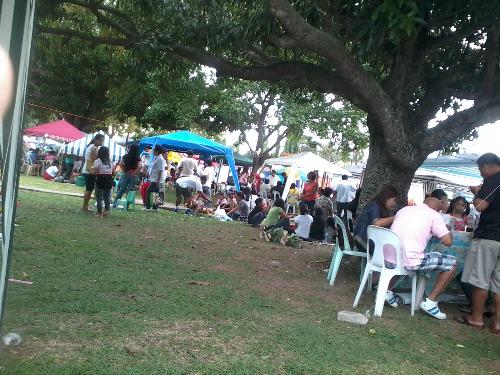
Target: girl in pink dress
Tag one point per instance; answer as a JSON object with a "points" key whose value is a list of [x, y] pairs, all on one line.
{"points": [[459, 210]]}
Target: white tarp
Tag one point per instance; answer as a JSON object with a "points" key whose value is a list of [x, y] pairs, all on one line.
{"points": [[309, 162], [77, 148]]}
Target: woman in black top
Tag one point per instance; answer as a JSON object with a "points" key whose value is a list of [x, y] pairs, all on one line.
{"points": [[258, 214], [130, 164], [318, 226]]}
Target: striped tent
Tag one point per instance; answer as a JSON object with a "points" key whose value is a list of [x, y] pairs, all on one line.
{"points": [[77, 148]]}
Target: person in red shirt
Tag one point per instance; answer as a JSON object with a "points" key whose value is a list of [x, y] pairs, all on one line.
{"points": [[310, 191]]}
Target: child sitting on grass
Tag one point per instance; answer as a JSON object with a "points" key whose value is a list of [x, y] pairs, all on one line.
{"points": [[303, 222], [240, 212]]}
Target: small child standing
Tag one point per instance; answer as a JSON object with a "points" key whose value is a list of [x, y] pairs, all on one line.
{"points": [[303, 222], [459, 211], [103, 169]]}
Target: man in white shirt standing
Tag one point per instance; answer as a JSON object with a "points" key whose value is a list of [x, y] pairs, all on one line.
{"points": [[187, 167], [273, 179], [156, 173], [345, 194], [209, 173]]}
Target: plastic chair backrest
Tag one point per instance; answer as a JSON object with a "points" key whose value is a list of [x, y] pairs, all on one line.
{"points": [[276, 195], [343, 232], [383, 239], [292, 199]]}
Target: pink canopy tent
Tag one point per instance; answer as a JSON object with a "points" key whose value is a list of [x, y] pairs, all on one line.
{"points": [[60, 130]]}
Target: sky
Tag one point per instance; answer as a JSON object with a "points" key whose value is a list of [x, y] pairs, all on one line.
{"points": [[488, 140]]}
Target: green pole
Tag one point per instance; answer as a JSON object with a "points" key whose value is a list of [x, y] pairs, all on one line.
{"points": [[16, 28]]}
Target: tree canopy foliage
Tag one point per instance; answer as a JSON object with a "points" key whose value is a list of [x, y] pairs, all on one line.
{"points": [[400, 61]]}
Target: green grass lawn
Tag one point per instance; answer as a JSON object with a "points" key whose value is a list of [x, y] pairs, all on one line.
{"points": [[37, 182], [164, 293], [40, 183]]}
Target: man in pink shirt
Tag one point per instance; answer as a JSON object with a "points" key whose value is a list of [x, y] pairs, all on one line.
{"points": [[415, 225]]}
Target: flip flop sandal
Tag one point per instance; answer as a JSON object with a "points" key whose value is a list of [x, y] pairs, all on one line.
{"points": [[496, 332], [463, 320], [466, 310]]}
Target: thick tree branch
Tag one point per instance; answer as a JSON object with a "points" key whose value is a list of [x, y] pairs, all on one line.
{"points": [[278, 140], [333, 50], [245, 140], [460, 123], [257, 55], [113, 24], [282, 41], [122, 42], [107, 8], [295, 74], [491, 61]]}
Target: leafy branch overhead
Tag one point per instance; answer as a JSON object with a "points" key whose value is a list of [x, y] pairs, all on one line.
{"points": [[272, 114], [399, 61]]}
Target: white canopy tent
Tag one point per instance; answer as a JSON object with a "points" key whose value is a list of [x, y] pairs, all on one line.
{"points": [[307, 161]]}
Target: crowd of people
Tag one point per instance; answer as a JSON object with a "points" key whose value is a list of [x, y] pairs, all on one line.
{"points": [[260, 203], [436, 217], [53, 167], [309, 215]]}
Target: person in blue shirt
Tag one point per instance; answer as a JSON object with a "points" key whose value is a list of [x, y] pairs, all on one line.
{"points": [[379, 211]]}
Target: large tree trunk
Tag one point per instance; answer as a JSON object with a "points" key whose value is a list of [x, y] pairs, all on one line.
{"points": [[381, 170], [258, 162]]}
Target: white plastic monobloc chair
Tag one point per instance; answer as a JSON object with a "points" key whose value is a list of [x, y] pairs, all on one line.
{"points": [[382, 237], [291, 202], [339, 251], [276, 195]]}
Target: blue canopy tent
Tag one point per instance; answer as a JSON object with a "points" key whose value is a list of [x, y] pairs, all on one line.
{"points": [[184, 141]]}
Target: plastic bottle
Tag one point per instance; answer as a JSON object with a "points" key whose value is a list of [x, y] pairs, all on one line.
{"points": [[12, 338]]}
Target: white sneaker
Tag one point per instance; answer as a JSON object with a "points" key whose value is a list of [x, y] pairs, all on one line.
{"points": [[391, 300], [431, 308], [146, 209]]}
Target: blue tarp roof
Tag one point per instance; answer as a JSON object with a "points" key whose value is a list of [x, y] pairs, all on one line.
{"points": [[184, 141], [460, 165]]}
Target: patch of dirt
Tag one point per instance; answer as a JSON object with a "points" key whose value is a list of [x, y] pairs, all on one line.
{"points": [[187, 340], [62, 351], [295, 274]]}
